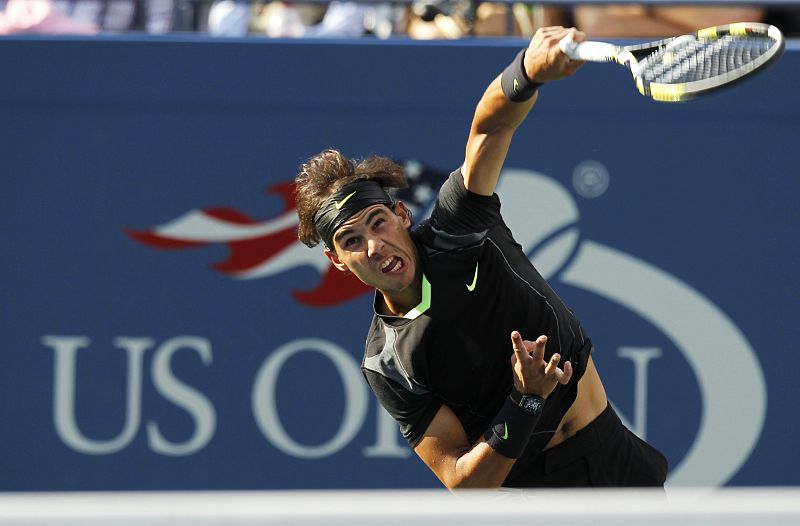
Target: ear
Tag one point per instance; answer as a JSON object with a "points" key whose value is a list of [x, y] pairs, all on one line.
{"points": [[403, 213], [331, 255]]}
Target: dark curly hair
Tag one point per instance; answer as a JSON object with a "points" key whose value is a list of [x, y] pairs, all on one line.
{"points": [[329, 171]]}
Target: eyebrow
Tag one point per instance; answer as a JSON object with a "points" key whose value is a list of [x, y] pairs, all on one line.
{"points": [[347, 230]]}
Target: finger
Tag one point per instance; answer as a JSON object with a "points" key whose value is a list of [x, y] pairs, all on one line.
{"points": [[536, 348], [517, 344], [561, 58], [549, 30], [552, 365], [575, 36], [566, 374]]}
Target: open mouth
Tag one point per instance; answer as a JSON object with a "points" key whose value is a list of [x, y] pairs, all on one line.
{"points": [[392, 264]]}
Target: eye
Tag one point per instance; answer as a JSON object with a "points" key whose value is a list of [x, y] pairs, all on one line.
{"points": [[377, 223], [351, 242]]}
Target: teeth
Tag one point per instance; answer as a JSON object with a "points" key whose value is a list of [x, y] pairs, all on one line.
{"points": [[392, 264]]}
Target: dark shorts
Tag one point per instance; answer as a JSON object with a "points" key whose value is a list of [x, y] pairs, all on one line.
{"points": [[604, 453]]}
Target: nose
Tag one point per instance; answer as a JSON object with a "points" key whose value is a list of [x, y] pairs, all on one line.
{"points": [[374, 246]]}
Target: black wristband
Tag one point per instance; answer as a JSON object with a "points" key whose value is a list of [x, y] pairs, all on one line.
{"points": [[516, 85], [511, 430], [529, 403]]}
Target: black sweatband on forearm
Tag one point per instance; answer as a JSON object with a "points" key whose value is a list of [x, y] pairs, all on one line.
{"points": [[511, 430], [516, 85]]}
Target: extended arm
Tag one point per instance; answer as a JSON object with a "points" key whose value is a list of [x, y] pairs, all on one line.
{"points": [[497, 118], [445, 448]]}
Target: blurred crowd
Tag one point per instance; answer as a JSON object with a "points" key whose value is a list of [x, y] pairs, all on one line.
{"points": [[418, 19]]}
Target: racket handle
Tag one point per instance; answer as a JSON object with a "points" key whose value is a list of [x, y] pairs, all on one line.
{"points": [[590, 51]]}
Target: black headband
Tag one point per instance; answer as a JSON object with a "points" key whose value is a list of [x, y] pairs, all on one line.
{"points": [[344, 204]]}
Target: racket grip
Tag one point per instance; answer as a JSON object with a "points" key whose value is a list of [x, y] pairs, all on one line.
{"points": [[589, 51]]}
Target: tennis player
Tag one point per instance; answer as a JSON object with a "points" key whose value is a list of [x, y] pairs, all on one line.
{"points": [[445, 353]]}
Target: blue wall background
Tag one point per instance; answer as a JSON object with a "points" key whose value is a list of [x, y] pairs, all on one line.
{"points": [[103, 135]]}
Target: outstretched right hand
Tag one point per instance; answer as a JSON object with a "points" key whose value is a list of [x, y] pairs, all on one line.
{"points": [[544, 60], [532, 375]]}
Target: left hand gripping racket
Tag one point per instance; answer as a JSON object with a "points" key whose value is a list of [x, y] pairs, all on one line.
{"points": [[688, 66]]}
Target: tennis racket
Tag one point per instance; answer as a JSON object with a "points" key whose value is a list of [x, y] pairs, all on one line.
{"points": [[688, 66]]}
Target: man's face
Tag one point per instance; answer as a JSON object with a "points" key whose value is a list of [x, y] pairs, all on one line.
{"points": [[374, 244]]}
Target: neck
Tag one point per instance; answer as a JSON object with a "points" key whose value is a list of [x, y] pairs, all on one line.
{"points": [[400, 303]]}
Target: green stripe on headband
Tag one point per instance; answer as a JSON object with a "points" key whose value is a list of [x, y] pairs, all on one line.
{"points": [[344, 204]]}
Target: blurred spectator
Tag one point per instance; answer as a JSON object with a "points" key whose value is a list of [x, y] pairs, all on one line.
{"points": [[493, 19], [85, 16], [638, 20], [421, 19], [151, 16], [229, 18], [445, 19], [450, 19], [278, 19], [342, 19], [236, 18], [39, 16], [433, 19]]}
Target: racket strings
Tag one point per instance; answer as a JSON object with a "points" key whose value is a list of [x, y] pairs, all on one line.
{"points": [[703, 59]]}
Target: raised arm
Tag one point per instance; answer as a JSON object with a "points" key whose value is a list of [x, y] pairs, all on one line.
{"points": [[497, 117], [486, 464]]}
